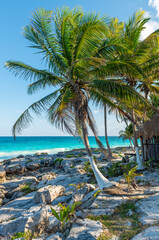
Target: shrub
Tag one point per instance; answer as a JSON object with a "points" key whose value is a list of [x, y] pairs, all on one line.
{"points": [[130, 177], [58, 162], [25, 235], [78, 186], [66, 214], [118, 168]]}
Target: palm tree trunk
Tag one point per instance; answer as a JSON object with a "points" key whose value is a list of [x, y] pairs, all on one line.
{"points": [[131, 144], [101, 180], [106, 134], [138, 159]]}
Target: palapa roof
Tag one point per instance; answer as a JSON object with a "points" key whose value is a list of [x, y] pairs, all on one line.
{"points": [[150, 128]]}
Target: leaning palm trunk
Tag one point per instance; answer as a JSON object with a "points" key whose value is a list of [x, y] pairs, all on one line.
{"points": [[106, 134], [101, 180], [130, 140]]}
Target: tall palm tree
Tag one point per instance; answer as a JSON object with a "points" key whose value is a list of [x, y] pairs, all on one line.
{"points": [[127, 134], [137, 62], [69, 41]]}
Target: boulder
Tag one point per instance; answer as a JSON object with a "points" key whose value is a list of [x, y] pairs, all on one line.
{"points": [[14, 168], [18, 207], [151, 233], [48, 194], [10, 185], [57, 236], [41, 154], [48, 176], [37, 223], [54, 224], [85, 230], [2, 174], [63, 199], [31, 166], [105, 204], [34, 222], [149, 209], [20, 156], [67, 179]]}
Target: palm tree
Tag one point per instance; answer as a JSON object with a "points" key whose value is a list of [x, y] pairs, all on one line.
{"points": [[127, 134], [135, 61], [69, 41]]}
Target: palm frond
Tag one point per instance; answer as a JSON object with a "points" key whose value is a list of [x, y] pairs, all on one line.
{"points": [[38, 107]]}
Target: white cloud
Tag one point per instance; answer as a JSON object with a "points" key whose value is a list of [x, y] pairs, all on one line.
{"points": [[155, 4], [151, 26]]}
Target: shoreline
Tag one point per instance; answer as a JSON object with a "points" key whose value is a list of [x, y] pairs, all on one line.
{"points": [[51, 153]]}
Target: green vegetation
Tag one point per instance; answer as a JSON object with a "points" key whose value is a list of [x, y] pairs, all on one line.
{"points": [[97, 193], [119, 168], [26, 188], [78, 186], [66, 214], [130, 177], [30, 160], [25, 235], [58, 162], [124, 222], [127, 134], [88, 169], [71, 155]]}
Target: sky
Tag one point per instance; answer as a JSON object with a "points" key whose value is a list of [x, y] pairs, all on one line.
{"points": [[13, 46]]}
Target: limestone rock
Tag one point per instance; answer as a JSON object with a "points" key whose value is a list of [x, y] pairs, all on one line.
{"points": [[20, 156], [33, 165], [63, 199], [53, 224], [105, 204], [149, 209], [14, 168], [151, 233], [10, 185], [85, 230], [18, 207], [34, 222], [57, 236], [48, 176], [37, 222], [2, 174], [48, 194]]}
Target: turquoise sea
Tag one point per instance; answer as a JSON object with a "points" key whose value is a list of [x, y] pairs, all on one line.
{"points": [[30, 145]]}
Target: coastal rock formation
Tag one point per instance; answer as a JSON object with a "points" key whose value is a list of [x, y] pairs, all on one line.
{"points": [[33, 165], [15, 168], [148, 234], [85, 229], [2, 174], [149, 209], [105, 204], [48, 194], [28, 193], [35, 222]]}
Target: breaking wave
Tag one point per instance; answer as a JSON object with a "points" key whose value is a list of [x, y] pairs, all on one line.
{"points": [[4, 155]]}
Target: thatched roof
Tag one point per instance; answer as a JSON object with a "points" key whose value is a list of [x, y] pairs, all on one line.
{"points": [[150, 128]]}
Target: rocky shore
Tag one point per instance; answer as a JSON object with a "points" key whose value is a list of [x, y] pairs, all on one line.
{"points": [[31, 185]]}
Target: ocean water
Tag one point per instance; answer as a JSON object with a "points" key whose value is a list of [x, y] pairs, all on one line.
{"points": [[30, 145]]}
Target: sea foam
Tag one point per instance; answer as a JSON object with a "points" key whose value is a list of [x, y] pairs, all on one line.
{"points": [[30, 152]]}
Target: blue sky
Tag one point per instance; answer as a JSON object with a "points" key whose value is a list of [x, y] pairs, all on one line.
{"points": [[15, 15]]}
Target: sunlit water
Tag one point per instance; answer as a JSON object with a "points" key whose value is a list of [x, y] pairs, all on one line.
{"points": [[30, 145]]}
